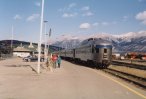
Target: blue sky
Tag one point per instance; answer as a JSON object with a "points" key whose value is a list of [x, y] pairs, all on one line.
{"points": [[71, 17]]}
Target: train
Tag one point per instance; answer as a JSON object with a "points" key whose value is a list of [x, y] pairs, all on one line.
{"points": [[97, 52]]}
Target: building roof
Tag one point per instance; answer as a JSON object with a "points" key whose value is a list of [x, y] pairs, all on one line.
{"points": [[21, 49], [26, 48]]}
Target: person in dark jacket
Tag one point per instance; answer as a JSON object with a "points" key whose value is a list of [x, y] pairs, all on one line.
{"points": [[58, 61]]}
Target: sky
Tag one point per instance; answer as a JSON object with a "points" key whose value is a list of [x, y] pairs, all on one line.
{"points": [[70, 18]]}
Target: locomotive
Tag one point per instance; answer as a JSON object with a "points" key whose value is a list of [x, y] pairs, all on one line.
{"points": [[92, 51]]}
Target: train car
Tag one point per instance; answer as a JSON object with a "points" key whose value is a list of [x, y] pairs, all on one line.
{"points": [[63, 54], [102, 53], [70, 54], [92, 51]]}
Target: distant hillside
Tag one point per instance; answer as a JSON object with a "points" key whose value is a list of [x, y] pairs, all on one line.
{"points": [[16, 43]]}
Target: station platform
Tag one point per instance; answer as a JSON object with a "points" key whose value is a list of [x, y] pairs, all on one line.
{"points": [[71, 81]]}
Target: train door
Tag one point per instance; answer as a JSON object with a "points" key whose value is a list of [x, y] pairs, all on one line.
{"points": [[105, 51], [93, 55], [97, 53]]}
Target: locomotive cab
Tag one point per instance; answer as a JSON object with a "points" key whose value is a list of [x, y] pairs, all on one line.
{"points": [[102, 54]]}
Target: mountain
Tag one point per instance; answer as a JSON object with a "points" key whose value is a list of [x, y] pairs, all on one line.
{"points": [[5, 45], [128, 42], [72, 43]]}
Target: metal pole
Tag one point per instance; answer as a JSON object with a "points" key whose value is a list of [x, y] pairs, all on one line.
{"points": [[48, 45], [45, 50], [49, 40], [39, 44], [12, 38], [66, 45]]}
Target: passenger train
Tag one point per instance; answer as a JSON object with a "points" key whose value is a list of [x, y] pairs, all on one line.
{"points": [[92, 51]]}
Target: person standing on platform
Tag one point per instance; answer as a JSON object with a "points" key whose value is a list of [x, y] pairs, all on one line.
{"points": [[49, 62], [58, 61], [54, 59]]}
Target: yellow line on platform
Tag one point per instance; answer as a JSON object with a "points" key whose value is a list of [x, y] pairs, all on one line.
{"points": [[123, 85]]}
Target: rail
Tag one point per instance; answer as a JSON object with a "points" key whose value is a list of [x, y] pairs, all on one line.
{"points": [[139, 81], [131, 65]]}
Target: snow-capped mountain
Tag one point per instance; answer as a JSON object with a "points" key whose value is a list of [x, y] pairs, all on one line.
{"points": [[132, 41]]}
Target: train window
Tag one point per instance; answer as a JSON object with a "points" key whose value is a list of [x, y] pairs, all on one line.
{"points": [[105, 50], [92, 49], [97, 50]]}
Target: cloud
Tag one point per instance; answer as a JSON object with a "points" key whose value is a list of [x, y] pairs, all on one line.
{"points": [[67, 11], [142, 17], [68, 15], [61, 10], [144, 22], [95, 24], [72, 5], [67, 8], [85, 26], [142, 1], [86, 8], [105, 23], [71, 11], [17, 17], [33, 17], [38, 4], [88, 14], [86, 11]]}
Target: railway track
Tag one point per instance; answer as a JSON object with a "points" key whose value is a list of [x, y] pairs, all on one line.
{"points": [[131, 65], [141, 82]]}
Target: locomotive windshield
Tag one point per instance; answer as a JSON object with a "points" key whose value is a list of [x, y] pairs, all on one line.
{"points": [[97, 50], [103, 46]]}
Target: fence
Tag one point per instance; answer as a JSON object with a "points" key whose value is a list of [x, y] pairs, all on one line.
{"points": [[4, 56]]}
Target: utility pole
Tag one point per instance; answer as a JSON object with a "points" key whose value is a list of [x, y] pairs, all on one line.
{"points": [[39, 44], [49, 39], [12, 41], [45, 50], [12, 38]]}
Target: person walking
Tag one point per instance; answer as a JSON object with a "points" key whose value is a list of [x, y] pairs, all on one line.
{"points": [[54, 59], [58, 61], [49, 62]]}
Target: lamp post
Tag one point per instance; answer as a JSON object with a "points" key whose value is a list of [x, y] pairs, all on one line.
{"points": [[45, 50], [12, 39], [39, 44], [49, 40]]}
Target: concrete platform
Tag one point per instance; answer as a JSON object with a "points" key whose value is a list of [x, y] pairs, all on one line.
{"points": [[18, 81]]}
